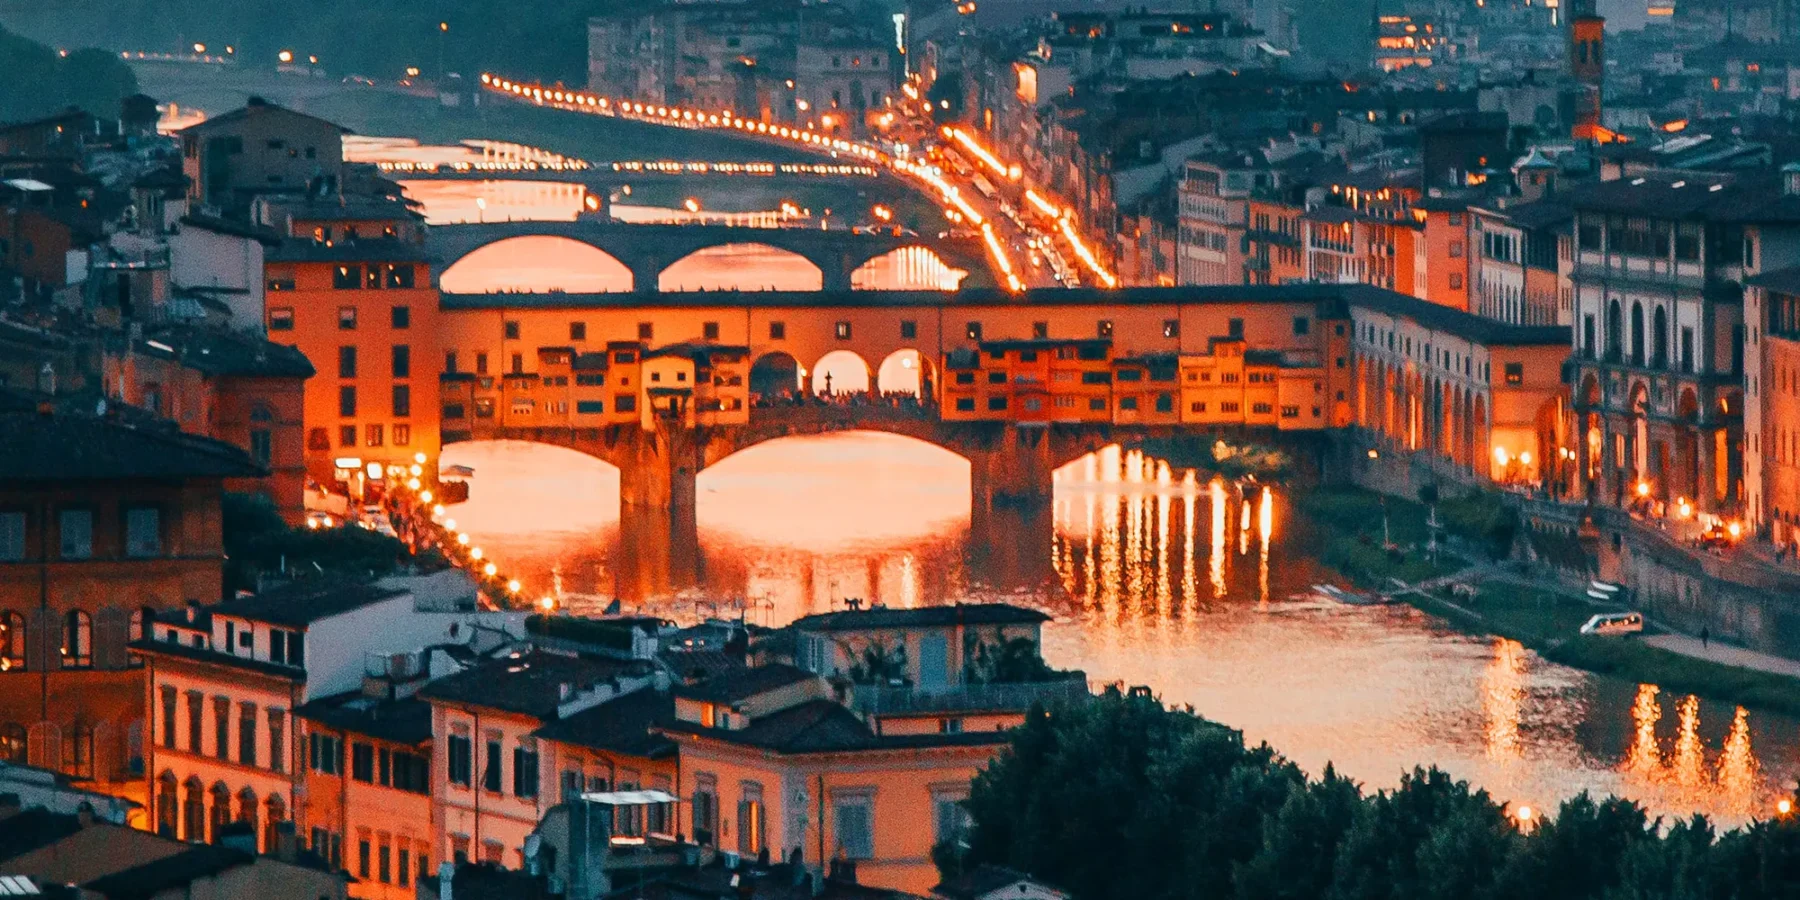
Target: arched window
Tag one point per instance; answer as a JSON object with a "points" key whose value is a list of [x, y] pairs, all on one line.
{"points": [[247, 812], [221, 809], [12, 641], [78, 751], [1637, 334], [12, 742], [1615, 332], [1659, 339], [78, 640], [274, 813], [167, 804], [193, 811]]}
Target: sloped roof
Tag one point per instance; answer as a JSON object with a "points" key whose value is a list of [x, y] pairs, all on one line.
{"points": [[822, 726], [302, 603], [57, 447], [623, 725], [528, 683], [921, 617], [742, 682]]}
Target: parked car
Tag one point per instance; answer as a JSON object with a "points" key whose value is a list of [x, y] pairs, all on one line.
{"points": [[1614, 624]]}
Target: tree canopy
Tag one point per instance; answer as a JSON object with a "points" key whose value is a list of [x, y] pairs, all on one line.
{"points": [[1124, 799]]}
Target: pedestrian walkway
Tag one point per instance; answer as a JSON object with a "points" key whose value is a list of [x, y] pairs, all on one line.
{"points": [[1724, 654]]}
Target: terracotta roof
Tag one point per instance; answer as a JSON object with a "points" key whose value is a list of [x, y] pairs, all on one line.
{"points": [[254, 106], [741, 682], [822, 726], [56, 447], [301, 603], [623, 725], [404, 721], [528, 683]]}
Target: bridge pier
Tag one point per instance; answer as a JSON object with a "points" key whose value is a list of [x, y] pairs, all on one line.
{"points": [[657, 470], [1015, 467]]}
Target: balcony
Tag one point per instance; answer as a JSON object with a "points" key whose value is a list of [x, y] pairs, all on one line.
{"points": [[1018, 696]]}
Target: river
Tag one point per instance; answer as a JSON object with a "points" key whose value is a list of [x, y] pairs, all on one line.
{"points": [[1185, 589]]}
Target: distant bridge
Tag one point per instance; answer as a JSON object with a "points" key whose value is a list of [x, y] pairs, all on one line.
{"points": [[648, 250]]}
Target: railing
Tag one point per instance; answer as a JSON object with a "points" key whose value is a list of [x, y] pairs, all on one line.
{"points": [[968, 697]]}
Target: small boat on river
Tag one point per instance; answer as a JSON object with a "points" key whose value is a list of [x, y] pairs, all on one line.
{"points": [[1347, 597]]}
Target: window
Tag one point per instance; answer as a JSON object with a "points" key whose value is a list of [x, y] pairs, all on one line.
{"points": [[1515, 373], [518, 363], [973, 331], [490, 772], [346, 362], [195, 712], [325, 753], [624, 403], [949, 817], [12, 536], [402, 361], [143, 532], [277, 740], [909, 329], [247, 733], [287, 647], [1165, 403], [705, 806], [346, 318], [1128, 404], [525, 772], [384, 871], [750, 820], [281, 318], [577, 331], [362, 762], [402, 401], [996, 404], [347, 278], [222, 727], [1302, 326], [777, 331], [1456, 281], [347, 436], [510, 329], [347, 402], [460, 760], [165, 732], [1104, 328], [1234, 328], [1171, 328], [402, 317], [372, 435], [996, 378], [709, 331], [75, 531], [1198, 406], [843, 331], [78, 640], [403, 867], [262, 445], [965, 404], [1096, 378], [646, 331], [1097, 404], [362, 858], [481, 364], [854, 832]]}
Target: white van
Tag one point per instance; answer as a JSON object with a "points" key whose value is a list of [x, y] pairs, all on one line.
{"points": [[1615, 624]]}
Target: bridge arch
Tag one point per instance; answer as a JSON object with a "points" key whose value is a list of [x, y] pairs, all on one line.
{"points": [[741, 266], [841, 372], [537, 263], [775, 376], [905, 371], [910, 268]]}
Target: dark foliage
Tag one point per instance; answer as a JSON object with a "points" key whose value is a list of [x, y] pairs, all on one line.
{"points": [[1122, 799]]}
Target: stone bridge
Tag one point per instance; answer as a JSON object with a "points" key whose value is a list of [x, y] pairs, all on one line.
{"points": [[648, 250], [1008, 463]]}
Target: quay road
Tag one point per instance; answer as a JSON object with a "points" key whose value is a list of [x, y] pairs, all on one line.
{"points": [[1024, 243]]}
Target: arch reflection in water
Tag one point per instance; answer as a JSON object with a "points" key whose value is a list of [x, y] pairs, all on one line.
{"points": [[906, 269], [741, 267], [537, 263]]}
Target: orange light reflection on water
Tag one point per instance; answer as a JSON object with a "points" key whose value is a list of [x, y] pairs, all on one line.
{"points": [[795, 525]]}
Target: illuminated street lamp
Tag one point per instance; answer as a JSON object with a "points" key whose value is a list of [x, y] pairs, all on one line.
{"points": [[1784, 807], [692, 205], [462, 537], [546, 603], [513, 586], [199, 48], [490, 569], [475, 553], [313, 59], [425, 497], [419, 457], [286, 56]]}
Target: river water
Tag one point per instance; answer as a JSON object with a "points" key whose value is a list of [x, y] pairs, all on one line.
{"points": [[1185, 588]]}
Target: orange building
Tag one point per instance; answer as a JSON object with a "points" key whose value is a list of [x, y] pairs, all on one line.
{"points": [[364, 312], [1276, 251], [103, 525], [1443, 252], [375, 803], [1778, 443], [492, 784], [231, 386]]}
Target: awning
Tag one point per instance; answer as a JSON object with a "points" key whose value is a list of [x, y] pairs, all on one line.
{"points": [[629, 798]]}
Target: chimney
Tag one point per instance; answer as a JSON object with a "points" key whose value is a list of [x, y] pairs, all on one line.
{"points": [[193, 610]]}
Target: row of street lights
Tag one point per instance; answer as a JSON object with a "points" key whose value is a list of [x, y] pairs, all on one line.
{"points": [[457, 546]]}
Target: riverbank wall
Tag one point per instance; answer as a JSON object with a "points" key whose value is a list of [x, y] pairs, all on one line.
{"points": [[1678, 587]]}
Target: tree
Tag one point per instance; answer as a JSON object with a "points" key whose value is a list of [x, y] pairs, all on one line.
{"points": [[258, 541], [877, 663], [1299, 849], [38, 82], [1010, 661]]}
